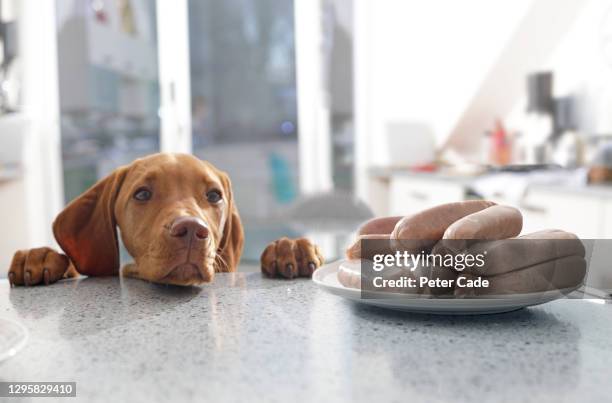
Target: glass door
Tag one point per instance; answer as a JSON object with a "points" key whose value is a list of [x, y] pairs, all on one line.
{"points": [[108, 87], [244, 107]]}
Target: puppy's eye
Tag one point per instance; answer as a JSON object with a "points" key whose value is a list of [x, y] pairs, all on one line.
{"points": [[143, 194], [213, 196]]}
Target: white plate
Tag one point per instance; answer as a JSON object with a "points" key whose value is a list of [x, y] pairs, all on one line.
{"points": [[326, 278], [13, 337]]}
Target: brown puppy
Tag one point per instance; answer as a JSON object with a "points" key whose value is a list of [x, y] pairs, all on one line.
{"points": [[177, 219]]}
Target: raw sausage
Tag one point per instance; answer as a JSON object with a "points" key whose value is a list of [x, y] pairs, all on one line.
{"points": [[495, 222], [429, 225], [354, 250], [382, 225], [507, 255]]}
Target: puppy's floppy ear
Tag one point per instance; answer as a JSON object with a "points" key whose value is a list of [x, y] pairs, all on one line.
{"points": [[232, 241], [87, 229]]}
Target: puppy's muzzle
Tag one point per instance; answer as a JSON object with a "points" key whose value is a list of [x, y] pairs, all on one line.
{"points": [[191, 237]]}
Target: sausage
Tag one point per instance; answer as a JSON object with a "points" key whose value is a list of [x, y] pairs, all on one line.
{"points": [[382, 225], [349, 275], [551, 234], [354, 251], [558, 274], [495, 222], [507, 255], [429, 225]]}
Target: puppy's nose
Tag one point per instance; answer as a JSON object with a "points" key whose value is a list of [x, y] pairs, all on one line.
{"points": [[189, 227]]}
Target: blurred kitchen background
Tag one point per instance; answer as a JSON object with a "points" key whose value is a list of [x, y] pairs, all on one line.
{"points": [[324, 112]]}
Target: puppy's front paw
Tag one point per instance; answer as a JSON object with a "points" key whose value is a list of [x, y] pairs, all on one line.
{"points": [[37, 266], [291, 258]]}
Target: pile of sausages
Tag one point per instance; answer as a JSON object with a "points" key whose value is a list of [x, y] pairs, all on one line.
{"points": [[541, 261]]}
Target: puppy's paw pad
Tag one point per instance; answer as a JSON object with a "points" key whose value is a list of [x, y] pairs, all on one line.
{"points": [[290, 258]]}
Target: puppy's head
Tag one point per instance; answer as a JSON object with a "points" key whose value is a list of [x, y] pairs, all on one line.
{"points": [[176, 216]]}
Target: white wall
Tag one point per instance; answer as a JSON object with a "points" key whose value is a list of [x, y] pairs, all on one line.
{"points": [[582, 66], [422, 61]]}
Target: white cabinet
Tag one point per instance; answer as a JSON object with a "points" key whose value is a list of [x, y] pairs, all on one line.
{"points": [[606, 220], [566, 210], [410, 194]]}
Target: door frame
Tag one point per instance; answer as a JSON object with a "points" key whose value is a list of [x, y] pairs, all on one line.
{"points": [[174, 75]]}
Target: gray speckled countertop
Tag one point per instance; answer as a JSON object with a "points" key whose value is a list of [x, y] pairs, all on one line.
{"points": [[247, 338]]}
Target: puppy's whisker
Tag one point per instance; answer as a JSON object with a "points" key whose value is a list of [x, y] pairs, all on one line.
{"points": [[222, 263], [218, 261]]}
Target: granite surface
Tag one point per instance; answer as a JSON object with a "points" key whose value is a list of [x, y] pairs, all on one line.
{"points": [[247, 338]]}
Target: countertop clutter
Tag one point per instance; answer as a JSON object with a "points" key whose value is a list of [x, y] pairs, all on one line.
{"points": [[248, 338], [546, 199]]}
